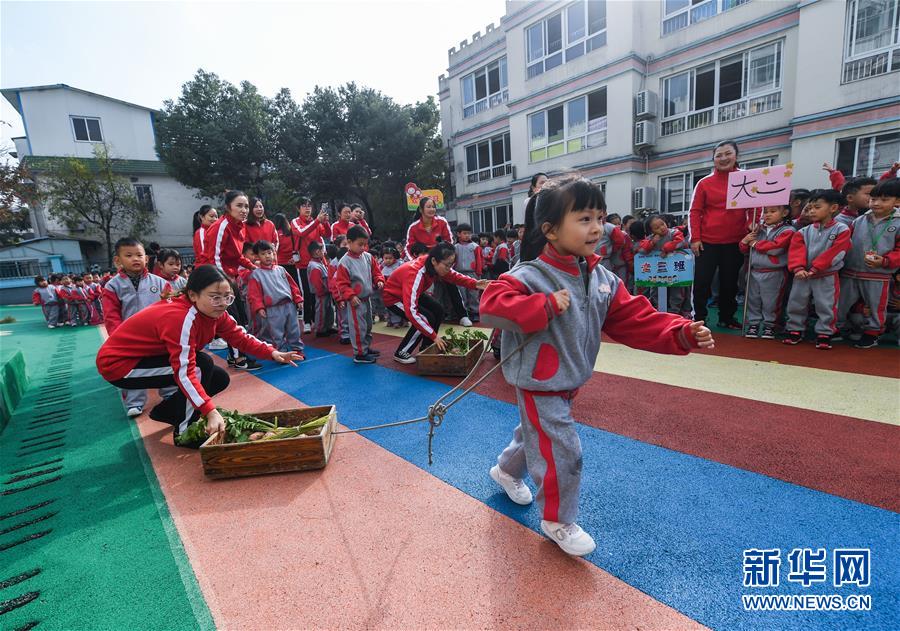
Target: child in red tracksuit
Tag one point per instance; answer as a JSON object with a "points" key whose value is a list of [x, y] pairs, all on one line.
{"points": [[317, 273], [559, 299], [46, 297], [343, 325], [275, 300], [666, 240], [358, 277]]}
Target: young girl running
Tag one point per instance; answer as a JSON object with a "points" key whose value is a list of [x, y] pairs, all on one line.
{"points": [[768, 247], [559, 294]]}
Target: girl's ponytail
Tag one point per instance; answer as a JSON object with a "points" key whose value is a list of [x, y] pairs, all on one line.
{"points": [[534, 240]]}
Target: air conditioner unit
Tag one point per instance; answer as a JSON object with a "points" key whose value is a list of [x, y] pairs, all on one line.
{"points": [[460, 167], [644, 134], [644, 198], [645, 104]]}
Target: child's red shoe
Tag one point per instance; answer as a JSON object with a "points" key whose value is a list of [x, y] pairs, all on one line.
{"points": [[823, 342], [793, 337]]}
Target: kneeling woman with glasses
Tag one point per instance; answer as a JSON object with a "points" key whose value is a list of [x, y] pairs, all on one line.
{"points": [[161, 346]]}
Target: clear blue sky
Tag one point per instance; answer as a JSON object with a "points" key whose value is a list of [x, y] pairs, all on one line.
{"points": [[142, 52]]}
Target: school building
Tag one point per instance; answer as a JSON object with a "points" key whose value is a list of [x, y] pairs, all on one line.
{"points": [[634, 95]]}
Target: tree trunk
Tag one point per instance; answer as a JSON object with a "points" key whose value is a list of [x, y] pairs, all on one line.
{"points": [[109, 252]]}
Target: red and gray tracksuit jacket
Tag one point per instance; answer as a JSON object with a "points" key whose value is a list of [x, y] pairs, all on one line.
{"points": [[45, 296], [270, 287], [357, 275], [819, 249], [416, 233], [611, 248], [121, 300], [671, 241], [409, 282], [177, 329], [306, 232], [847, 215], [224, 246], [176, 282], [770, 252], [318, 278], [521, 303], [468, 259], [871, 235], [710, 221]]}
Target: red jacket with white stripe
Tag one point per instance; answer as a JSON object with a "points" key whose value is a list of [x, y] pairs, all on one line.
{"points": [[199, 242], [819, 248], [416, 233], [306, 232], [224, 243], [710, 221], [262, 232], [174, 328], [411, 280]]}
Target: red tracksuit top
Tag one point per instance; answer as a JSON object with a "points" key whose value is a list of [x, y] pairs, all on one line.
{"points": [[265, 231], [284, 253], [710, 221], [199, 242], [256, 292], [838, 180], [174, 328], [646, 246], [340, 227], [318, 278], [307, 231], [411, 280], [223, 244], [416, 233]]}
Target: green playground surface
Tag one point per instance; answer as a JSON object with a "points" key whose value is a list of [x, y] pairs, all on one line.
{"points": [[86, 539]]}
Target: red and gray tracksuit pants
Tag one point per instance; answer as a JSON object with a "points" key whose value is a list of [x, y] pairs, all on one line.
{"points": [[281, 327], [324, 313], [824, 292], [874, 293], [545, 445], [765, 295], [359, 323]]}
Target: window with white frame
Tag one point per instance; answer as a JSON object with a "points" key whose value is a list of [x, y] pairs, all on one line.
{"points": [[488, 159], [733, 87], [564, 36], [86, 129], [868, 155], [678, 14], [872, 39], [490, 218], [756, 163], [568, 127], [675, 191], [485, 88], [144, 194]]}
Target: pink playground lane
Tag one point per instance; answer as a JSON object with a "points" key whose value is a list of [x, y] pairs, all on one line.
{"points": [[374, 542]]}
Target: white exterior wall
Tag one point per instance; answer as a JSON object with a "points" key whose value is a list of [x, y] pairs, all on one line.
{"points": [[816, 108], [126, 129]]}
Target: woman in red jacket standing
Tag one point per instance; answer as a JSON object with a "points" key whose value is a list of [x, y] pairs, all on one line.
{"points": [[203, 219], [161, 346], [715, 236], [307, 230], [258, 228]]}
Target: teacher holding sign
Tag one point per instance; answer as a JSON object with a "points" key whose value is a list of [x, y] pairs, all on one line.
{"points": [[716, 232]]}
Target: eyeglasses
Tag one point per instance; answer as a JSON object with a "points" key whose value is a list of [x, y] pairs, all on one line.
{"points": [[217, 301]]}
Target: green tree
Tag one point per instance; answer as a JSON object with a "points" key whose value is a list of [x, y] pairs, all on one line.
{"points": [[217, 136], [17, 194], [91, 193]]}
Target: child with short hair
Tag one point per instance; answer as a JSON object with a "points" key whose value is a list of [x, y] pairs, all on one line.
{"points": [[133, 289], [340, 307], [560, 297], [768, 246], [80, 296], [275, 300], [664, 240], [97, 298], [390, 263], [873, 259], [815, 256], [468, 263], [169, 262], [317, 273], [357, 278], [45, 295]]}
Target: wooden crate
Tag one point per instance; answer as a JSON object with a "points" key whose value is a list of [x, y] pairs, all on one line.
{"points": [[431, 362], [231, 460]]}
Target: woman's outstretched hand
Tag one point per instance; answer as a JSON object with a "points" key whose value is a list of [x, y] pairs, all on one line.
{"points": [[287, 358], [214, 423], [702, 335]]}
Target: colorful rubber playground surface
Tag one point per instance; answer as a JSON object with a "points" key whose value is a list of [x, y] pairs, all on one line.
{"points": [[688, 463]]}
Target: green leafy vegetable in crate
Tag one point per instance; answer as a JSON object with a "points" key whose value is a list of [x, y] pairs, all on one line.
{"points": [[462, 342], [243, 428]]}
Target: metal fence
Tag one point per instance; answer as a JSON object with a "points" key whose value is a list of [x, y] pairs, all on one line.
{"points": [[33, 267]]}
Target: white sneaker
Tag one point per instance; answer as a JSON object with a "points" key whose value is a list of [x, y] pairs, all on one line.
{"points": [[306, 327], [404, 358], [465, 322], [218, 344], [132, 412], [570, 537], [515, 488]]}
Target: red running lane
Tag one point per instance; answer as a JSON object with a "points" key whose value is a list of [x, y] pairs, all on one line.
{"points": [[840, 455]]}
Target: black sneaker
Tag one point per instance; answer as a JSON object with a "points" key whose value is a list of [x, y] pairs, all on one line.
{"points": [[793, 337], [363, 359], [768, 333], [404, 358], [752, 331], [345, 341], [867, 341], [373, 352], [823, 342], [734, 325], [247, 364]]}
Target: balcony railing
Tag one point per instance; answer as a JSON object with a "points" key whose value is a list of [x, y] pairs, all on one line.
{"points": [[871, 66], [748, 106], [485, 104], [486, 174]]}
